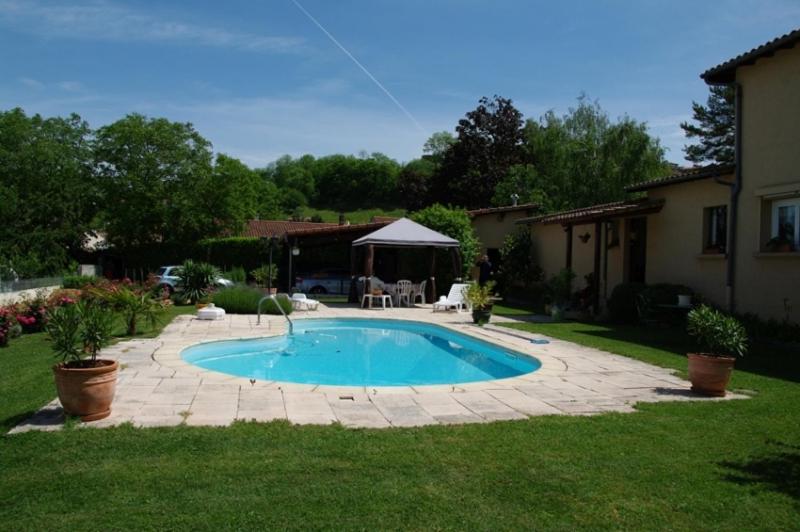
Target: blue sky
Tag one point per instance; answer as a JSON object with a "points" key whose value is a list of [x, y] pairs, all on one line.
{"points": [[259, 79]]}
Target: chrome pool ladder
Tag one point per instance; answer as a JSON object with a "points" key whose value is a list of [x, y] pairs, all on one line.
{"points": [[274, 298]]}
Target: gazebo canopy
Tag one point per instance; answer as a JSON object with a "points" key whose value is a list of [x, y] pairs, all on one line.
{"points": [[406, 233]]}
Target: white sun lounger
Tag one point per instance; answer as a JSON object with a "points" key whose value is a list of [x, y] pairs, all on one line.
{"points": [[454, 300], [301, 302]]}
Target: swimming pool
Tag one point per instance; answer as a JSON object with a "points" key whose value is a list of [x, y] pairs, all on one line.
{"points": [[363, 352]]}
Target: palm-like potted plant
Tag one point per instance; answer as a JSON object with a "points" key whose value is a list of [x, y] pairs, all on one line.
{"points": [[195, 279], [85, 383], [134, 305], [480, 299], [723, 338]]}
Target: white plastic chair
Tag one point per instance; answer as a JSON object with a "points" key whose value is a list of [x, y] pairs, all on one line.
{"points": [[455, 299], [420, 294], [403, 292], [301, 302]]}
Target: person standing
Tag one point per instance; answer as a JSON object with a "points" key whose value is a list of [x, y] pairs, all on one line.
{"points": [[484, 270]]}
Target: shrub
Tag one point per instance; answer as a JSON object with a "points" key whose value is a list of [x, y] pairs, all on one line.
{"points": [[480, 297], [519, 269], [247, 252], [560, 286], [236, 275], [78, 281], [771, 329], [195, 279], [134, 305], [454, 223], [721, 334], [244, 300], [7, 323], [623, 303], [31, 314]]}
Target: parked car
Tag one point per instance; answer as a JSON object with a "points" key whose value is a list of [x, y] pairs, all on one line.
{"points": [[168, 277], [325, 281]]}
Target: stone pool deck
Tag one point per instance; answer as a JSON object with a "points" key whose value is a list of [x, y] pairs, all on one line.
{"points": [[157, 388]]}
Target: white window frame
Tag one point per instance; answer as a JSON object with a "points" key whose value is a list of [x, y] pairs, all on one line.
{"points": [[791, 202]]}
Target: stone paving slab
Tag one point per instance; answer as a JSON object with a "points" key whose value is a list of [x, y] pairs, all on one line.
{"points": [[156, 388]]}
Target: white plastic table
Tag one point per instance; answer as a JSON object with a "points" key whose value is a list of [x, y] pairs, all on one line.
{"points": [[383, 299]]}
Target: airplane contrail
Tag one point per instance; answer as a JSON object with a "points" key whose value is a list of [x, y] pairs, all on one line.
{"points": [[362, 67]]}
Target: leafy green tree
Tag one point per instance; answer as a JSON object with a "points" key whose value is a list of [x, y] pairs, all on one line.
{"points": [[715, 128], [236, 193], [522, 180], [154, 175], [345, 182], [454, 223], [48, 192], [438, 144], [490, 141], [413, 183], [582, 158]]}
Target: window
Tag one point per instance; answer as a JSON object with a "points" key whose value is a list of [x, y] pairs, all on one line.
{"points": [[716, 229], [786, 223]]}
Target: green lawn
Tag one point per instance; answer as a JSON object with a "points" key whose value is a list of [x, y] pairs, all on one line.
{"points": [[715, 465], [354, 217]]}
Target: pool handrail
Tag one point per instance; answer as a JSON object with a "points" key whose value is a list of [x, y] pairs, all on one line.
{"points": [[274, 297]]}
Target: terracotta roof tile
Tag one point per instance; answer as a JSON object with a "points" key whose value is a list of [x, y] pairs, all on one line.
{"points": [[596, 213], [726, 72], [507, 208], [690, 174], [270, 228]]}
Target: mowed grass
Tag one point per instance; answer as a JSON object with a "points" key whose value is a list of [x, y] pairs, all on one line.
{"points": [[729, 465], [354, 217]]}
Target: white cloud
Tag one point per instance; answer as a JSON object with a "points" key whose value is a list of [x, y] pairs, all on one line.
{"points": [[70, 86], [32, 83], [105, 21]]}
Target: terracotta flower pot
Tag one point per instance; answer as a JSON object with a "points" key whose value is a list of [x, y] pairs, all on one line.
{"points": [[710, 375], [87, 392]]}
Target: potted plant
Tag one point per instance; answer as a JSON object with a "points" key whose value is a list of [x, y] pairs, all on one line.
{"points": [[85, 383], [480, 299], [266, 276], [723, 338], [780, 244]]}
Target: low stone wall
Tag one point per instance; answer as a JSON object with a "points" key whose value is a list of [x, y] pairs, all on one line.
{"points": [[9, 298]]}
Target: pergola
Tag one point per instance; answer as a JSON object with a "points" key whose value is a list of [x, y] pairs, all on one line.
{"points": [[405, 233]]}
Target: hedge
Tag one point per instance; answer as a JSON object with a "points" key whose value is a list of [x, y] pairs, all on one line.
{"points": [[244, 300]]}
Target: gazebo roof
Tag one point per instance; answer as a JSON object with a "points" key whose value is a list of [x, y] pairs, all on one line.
{"points": [[405, 233]]}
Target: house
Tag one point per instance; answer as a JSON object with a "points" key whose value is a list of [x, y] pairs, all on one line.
{"points": [[731, 233], [493, 224]]}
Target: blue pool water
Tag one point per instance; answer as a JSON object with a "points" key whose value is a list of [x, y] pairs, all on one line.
{"points": [[358, 352]]}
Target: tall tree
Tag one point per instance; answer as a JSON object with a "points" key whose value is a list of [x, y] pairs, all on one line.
{"points": [[582, 158], [438, 144], [489, 142], [715, 127], [153, 174], [413, 183], [48, 193]]}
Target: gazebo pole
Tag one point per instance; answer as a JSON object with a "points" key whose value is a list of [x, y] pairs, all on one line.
{"points": [[352, 296], [455, 255], [432, 275], [368, 266], [596, 273]]}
